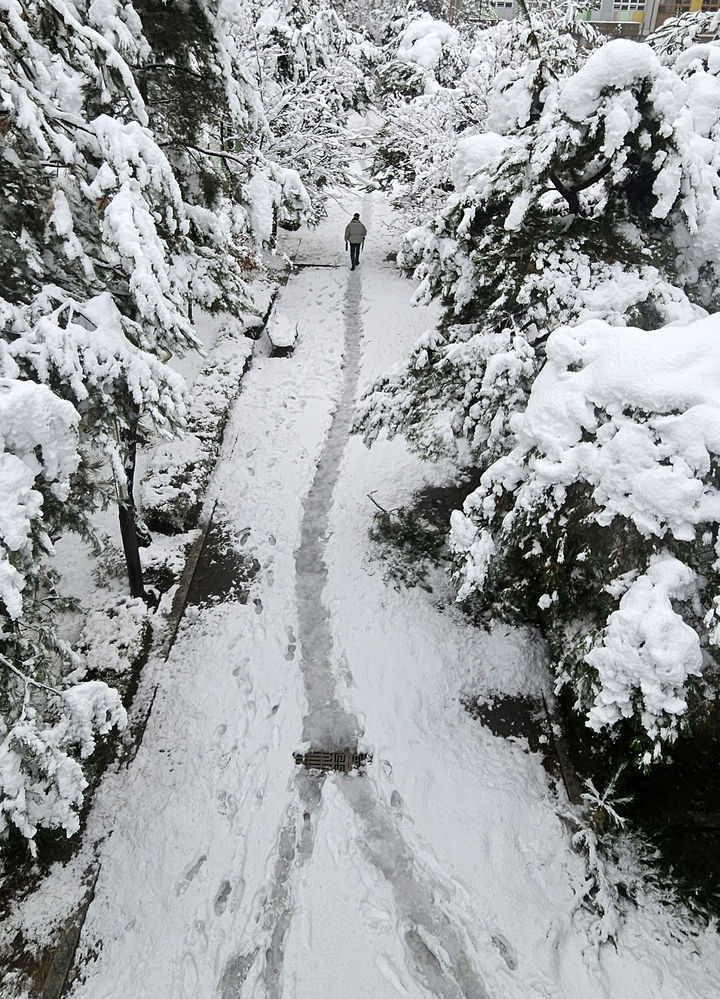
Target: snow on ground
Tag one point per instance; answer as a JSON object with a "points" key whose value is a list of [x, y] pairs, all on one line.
{"points": [[445, 870]]}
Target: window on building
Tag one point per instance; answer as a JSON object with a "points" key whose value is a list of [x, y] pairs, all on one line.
{"points": [[672, 8]]}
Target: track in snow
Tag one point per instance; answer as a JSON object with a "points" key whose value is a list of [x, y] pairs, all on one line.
{"points": [[327, 723], [436, 950]]}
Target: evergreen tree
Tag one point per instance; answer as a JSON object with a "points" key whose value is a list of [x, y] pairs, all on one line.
{"points": [[595, 197], [95, 277]]}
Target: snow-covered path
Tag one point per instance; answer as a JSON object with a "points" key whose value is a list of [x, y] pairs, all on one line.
{"points": [[444, 870]]}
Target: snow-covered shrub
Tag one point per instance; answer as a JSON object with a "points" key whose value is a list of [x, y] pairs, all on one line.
{"points": [[100, 256], [114, 641], [426, 54], [544, 230], [41, 780], [435, 47], [678, 34], [604, 516], [421, 118], [39, 456], [42, 727]]}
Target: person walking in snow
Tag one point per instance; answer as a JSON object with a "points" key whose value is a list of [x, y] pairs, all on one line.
{"points": [[355, 233]]}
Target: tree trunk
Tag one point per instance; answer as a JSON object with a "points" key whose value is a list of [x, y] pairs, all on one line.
{"points": [[128, 528], [128, 531]]}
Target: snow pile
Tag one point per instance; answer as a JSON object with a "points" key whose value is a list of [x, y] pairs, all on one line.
{"points": [[425, 41], [93, 709], [282, 331], [474, 154], [114, 633], [512, 97], [647, 652], [622, 65]]}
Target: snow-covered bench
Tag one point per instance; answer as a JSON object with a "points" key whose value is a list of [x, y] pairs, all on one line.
{"points": [[282, 335]]}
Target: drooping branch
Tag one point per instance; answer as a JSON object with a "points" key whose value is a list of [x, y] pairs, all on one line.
{"points": [[570, 193], [602, 172], [28, 681]]}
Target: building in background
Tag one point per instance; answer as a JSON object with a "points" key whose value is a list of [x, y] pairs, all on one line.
{"points": [[628, 17]]}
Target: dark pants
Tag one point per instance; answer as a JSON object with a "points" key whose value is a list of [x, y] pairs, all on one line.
{"points": [[354, 254]]}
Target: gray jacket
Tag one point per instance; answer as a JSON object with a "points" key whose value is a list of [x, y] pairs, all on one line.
{"points": [[355, 232]]}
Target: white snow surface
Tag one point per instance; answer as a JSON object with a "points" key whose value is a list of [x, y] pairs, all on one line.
{"points": [[619, 64], [227, 871]]}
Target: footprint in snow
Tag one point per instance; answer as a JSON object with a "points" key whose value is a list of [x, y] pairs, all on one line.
{"points": [[201, 934], [244, 684], [227, 804], [221, 899], [506, 951], [241, 666], [182, 886], [292, 643], [190, 975], [258, 605]]}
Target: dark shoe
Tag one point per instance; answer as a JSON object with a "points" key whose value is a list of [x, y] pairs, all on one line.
{"points": [[353, 267]]}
